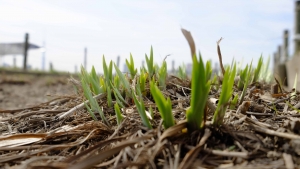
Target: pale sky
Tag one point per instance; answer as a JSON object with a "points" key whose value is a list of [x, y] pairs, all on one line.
{"points": [[119, 27]]}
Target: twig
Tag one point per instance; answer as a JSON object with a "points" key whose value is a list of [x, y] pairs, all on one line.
{"points": [[228, 153], [288, 160], [78, 107], [275, 133], [220, 56]]}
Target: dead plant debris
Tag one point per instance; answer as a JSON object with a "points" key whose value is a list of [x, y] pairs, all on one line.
{"points": [[61, 134]]}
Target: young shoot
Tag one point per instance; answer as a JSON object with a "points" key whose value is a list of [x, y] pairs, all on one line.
{"points": [[200, 89], [162, 75], [257, 70], [243, 77], [142, 81], [119, 115], [182, 72], [248, 76], [150, 63], [93, 102], [130, 66], [226, 93], [164, 106], [141, 109]]}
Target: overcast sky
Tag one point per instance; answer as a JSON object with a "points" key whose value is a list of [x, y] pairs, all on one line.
{"points": [[112, 28]]}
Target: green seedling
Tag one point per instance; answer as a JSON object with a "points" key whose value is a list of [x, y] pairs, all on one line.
{"points": [[234, 102], [94, 80], [243, 77], [124, 81], [182, 72], [118, 113], [118, 96], [248, 77], [107, 71], [162, 75], [164, 106], [257, 70], [116, 81], [102, 83], [200, 89], [150, 63], [93, 102], [226, 93], [142, 80], [141, 109], [108, 91], [90, 112], [130, 66], [266, 73]]}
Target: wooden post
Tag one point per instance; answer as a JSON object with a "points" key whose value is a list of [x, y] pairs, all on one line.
{"points": [[25, 51], [286, 45], [297, 27], [85, 58], [279, 54]]}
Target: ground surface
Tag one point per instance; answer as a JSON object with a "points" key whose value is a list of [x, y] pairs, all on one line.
{"points": [[21, 90], [42, 131]]}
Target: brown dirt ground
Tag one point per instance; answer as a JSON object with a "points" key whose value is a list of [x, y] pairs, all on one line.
{"points": [[21, 90]]}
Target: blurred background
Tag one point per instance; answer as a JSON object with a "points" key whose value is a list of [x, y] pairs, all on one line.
{"points": [[70, 33]]}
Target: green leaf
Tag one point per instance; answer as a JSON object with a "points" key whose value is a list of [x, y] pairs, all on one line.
{"points": [[257, 70], [164, 106], [226, 93], [124, 81], [118, 114], [130, 66], [200, 90], [141, 109]]}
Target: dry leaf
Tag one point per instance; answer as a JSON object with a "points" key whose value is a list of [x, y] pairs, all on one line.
{"points": [[189, 38]]}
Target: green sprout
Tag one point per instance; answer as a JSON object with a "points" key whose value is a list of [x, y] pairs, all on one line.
{"points": [[266, 73], [257, 70], [123, 80], [116, 81], [150, 63], [142, 80], [118, 113], [234, 102], [141, 109], [182, 72], [94, 80], [131, 68], [164, 105], [248, 76], [107, 71], [93, 103], [226, 93], [200, 89], [243, 77], [162, 75], [108, 78]]}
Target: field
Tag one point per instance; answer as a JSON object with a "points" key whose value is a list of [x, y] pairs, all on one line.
{"points": [[235, 120]]}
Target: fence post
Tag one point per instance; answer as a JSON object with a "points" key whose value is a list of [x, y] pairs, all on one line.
{"points": [[297, 27], [286, 45], [25, 51]]}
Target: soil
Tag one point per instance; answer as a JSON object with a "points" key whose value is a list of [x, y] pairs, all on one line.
{"points": [[43, 124], [25, 90]]}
